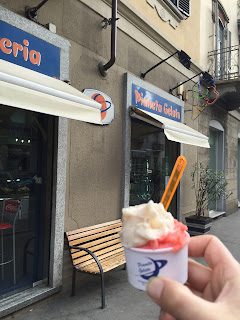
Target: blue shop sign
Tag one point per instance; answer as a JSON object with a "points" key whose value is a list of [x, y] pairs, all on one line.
{"points": [[26, 50], [151, 102]]}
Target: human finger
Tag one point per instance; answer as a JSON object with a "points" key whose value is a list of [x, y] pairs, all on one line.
{"points": [[212, 249], [198, 275], [178, 301], [194, 291], [166, 316]]}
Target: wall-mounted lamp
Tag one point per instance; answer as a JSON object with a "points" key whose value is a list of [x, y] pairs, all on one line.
{"points": [[184, 59], [31, 13], [182, 56], [207, 78]]}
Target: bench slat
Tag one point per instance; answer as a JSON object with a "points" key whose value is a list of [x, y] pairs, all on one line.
{"points": [[108, 261], [107, 264], [107, 246], [98, 254], [111, 265], [69, 233], [94, 236], [96, 242], [100, 258], [86, 233]]}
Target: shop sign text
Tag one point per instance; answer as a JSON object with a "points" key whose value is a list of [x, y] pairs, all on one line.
{"points": [[151, 102], [21, 48]]}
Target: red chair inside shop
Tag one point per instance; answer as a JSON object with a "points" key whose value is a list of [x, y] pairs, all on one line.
{"points": [[10, 212]]}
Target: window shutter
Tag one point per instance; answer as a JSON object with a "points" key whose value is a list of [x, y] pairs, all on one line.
{"points": [[229, 40], [229, 56], [184, 7]]}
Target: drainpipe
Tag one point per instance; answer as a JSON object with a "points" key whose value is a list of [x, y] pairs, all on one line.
{"points": [[103, 68]]}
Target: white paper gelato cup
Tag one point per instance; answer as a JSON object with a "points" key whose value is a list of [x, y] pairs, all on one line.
{"points": [[142, 264]]}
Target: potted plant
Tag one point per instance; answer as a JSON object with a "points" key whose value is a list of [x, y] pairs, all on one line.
{"points": [[209, 186]]}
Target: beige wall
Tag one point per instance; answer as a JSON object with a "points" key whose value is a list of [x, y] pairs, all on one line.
{"points": [[185, 36]]}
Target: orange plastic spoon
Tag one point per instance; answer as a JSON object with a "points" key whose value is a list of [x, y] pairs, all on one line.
{"points": [[173, 181]]}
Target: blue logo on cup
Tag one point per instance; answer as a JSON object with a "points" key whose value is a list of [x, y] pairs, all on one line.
{"points": [[151, 268]]}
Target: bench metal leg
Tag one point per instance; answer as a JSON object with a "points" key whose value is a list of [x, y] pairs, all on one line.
{"points": [[73, 281], [102, 290]]}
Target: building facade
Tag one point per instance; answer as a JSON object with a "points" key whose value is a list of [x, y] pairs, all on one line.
{"points": [[67, 173]]}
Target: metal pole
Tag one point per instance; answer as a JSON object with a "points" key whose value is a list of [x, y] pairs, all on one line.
{"points": [[171, 89], [156, 65], [41, 4]]}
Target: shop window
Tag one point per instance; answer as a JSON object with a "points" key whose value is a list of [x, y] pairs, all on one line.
{"points": [[152, 161], [26, 144]]}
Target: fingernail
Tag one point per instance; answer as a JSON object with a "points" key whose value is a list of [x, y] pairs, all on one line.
{"points": [[155, 287]]}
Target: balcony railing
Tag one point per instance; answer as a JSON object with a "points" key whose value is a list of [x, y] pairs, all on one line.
{"points": [[224, 63]]}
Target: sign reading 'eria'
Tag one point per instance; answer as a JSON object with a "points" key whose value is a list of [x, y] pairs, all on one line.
{"points": [[26, 50], [9, 47]]}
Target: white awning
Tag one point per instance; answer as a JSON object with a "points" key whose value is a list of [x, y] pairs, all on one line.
{"points": [[174, 131], [26, 89]]}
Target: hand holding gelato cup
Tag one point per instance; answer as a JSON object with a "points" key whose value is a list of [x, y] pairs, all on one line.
{"points": [[154, 243]]}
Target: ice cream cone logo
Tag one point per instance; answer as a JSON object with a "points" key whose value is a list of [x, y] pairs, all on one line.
{"points": [[107, 109], [105, 104], [151, 268]]}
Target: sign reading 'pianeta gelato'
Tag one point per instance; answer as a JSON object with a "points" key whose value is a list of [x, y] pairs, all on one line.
{"points": [[148, 101]]}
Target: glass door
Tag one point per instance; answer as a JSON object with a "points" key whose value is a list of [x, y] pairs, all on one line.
{"points": [[152, 160], [26, 153]]}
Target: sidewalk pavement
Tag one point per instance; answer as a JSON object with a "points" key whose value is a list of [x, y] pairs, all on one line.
{"points": [[122, 300]]}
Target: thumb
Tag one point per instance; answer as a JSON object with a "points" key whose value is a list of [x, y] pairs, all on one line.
{"points": [[177, 300]]}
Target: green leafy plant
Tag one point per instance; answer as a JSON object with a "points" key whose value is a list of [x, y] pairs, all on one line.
{"points": [[209, 187]]}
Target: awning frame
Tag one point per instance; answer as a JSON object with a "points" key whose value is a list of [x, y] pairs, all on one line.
{"points": [[142, 115], [27, 89], [44, 89]]}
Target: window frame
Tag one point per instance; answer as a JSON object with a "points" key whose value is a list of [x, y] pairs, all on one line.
{"points": [[176, 8]]}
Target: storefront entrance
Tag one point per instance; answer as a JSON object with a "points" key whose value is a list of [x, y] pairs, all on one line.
{"points": [[152, 160], [26, 156]]}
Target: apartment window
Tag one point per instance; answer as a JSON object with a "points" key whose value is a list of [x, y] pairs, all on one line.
{"points": [[224, 53], [183, 6]]}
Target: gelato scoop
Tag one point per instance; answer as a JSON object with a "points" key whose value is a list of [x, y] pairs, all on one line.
{"points": [[154, 244], [150, 226]]}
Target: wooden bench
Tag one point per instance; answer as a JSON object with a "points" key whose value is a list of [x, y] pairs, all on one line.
{"points": [[96, 250]]}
